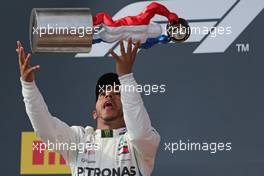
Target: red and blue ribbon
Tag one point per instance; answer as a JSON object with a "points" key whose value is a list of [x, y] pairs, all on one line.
{"points": [[137, 27]]}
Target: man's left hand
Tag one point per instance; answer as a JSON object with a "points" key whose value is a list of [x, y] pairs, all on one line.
{"points": [[125, 62]]}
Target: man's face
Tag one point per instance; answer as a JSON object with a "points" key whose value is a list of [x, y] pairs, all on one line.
{"points": [[109, 106]]}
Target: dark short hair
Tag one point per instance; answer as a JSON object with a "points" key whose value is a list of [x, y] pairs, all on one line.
{"points": [[104, 80]]}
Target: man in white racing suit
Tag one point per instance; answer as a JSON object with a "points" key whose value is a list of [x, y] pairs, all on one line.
{"points": [[124, 142]]}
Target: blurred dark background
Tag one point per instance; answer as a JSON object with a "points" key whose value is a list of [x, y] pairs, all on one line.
{"points": [[208, 98]]}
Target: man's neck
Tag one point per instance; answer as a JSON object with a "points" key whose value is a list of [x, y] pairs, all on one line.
{"points": [[113, 124]]}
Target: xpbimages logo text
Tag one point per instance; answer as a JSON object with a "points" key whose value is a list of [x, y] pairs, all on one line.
{"points": [[60, 146], [80, 31], [200, 30], [146, 89], [212, 147]]}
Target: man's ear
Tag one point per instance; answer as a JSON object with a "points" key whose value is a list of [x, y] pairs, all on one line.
{"points": [[94, 115]]}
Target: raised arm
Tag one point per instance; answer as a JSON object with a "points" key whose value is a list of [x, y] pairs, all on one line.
{"points": [[140, 132], [47, 127]]}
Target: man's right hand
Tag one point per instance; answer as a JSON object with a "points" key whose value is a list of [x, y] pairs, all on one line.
{"points": [[26, 71]]}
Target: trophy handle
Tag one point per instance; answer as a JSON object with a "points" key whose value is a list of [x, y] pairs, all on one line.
{"points": [[178, 32]]}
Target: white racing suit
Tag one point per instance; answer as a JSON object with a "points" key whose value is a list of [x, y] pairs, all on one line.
{"points": [[128, 151]]}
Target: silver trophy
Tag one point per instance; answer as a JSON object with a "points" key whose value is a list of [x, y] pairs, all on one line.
{"points": [[71, 30]]}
